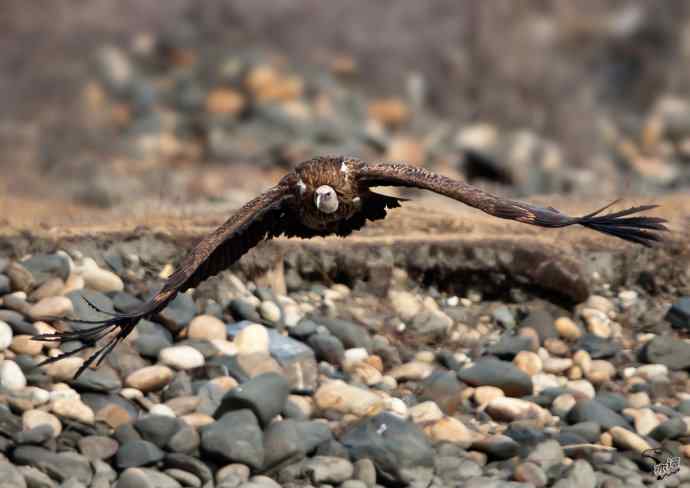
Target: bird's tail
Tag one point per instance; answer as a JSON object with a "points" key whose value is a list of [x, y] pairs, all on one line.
{"points": [[122, 324], [639, 229]]}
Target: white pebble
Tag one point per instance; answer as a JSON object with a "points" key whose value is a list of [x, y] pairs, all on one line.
{"points": [[5, 335], [181, 357], [11, 376]]}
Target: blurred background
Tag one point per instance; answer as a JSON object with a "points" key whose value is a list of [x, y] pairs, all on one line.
{"points": [[146, 106]]}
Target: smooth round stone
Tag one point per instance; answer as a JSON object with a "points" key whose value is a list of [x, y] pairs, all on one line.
{"points": [[64, 369], [252, 339], [181, 357], [5, 335], [567, 329], [98, 447], [405, 304], [11, 376], [450, 429], [414, 370], [184, 478], [529, 362], [497, 446], [235, 437], [157, 428], [102, 280], [50, 307], [483, 395], [52, 287], [557, 365], [341, 397], [530, 473], [502, 374], [601, 304], [207, 327], [582, 387], [365, 471], [652, 372], [265, 395], [326, 469], [73, 408], [269, 311], [164, 410], [425, 412], [645, 420], [24, 344], [240, 471], [137, 453], [562, 404], [600, 371], [626, 439], [150, 378], [509, 409], [639, 400], [35, 418], [366, 373], [354, 356]]}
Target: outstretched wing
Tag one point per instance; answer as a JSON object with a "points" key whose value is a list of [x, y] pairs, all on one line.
{"points": [[640, 229], [264, 217]]}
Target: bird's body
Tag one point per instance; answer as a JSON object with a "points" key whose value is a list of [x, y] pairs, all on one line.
{"points": [[333, 196]]}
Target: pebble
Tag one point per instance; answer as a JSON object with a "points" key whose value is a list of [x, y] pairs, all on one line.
{"points": [[99, 279], [149, 378], [252, 339], [483, 395], [406, 305], [414, 370], [626, 439], [137, 453], [450, 429], [341, 397], [24, 344], [397, 447], [206, 327], [235, 437], [11, 376], [510, 409], [326, 469], [425, 412], [502, 374], [73, 408], [5, 335], [269, 311], [557, 365], [181, 357], [64, 369], [529, 362], [562, 404], [35, 418], [530, 473], [265, 395], [567, 329], [51, 307]]}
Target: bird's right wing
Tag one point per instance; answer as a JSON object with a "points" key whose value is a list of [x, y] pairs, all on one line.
{"points": [[264, 217]]}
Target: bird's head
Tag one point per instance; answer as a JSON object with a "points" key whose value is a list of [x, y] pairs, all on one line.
{"points": [[325, 199]]}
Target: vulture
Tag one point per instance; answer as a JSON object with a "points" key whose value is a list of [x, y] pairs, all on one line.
{"points": [[326, 196]]}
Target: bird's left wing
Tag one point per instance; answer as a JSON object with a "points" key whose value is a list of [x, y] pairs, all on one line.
{"points": [[264, 217], [639, 229]]}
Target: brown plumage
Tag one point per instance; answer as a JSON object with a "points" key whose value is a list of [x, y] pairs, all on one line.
{"points": [[326, 196]]}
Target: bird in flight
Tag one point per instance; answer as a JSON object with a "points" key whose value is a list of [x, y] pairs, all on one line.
{"points": [[326, 196]]}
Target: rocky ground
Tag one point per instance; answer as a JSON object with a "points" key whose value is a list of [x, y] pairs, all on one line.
{"points": [[322, 383]]}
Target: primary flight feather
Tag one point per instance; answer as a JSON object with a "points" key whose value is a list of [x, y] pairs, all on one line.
{"points": [[326, 196]]}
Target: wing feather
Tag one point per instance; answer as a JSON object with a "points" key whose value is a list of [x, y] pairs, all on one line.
{"points": [[259, 219], [639, 229]]}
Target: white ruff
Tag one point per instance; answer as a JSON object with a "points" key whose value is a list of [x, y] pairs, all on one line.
{"points": [[302, 187], [344, 168]]}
